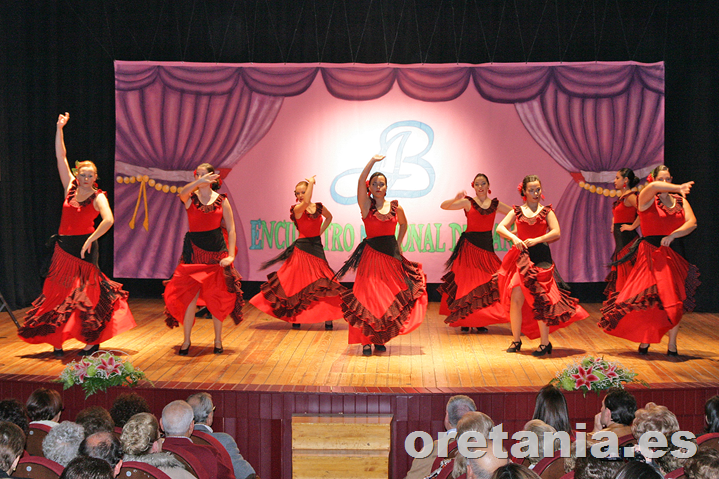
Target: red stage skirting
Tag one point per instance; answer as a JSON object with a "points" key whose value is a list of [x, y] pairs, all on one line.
{"points": [[259, 417]]}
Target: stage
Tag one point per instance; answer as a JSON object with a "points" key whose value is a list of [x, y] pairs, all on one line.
{"points": [[270, 371]]}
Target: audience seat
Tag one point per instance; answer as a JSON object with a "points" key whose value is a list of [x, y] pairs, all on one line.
{"points": [[675, 474], [205, 439], [35, 436], [551, 467], [190, 462], [709, 440], [140, 470], [35, 467], [626, 440]]}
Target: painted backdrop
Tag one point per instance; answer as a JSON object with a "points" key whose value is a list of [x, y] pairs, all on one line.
{"points": [[268, 127]]}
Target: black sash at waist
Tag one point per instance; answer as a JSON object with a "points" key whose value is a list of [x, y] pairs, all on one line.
{"points": [[212, 240], [312, 245]]}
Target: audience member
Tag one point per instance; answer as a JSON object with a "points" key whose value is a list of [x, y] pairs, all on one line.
{"points": [[515, 471], [539, 427], [590, 467], [44, 406], [711, 414], [638, 470], [178, 424], [703, 465], [617, 413], [141, 442], [14, 411], [103, 445], [660, 419], [12, 445], [204, 416], [95, 419], [457, 406], [62, 443], [483, 424], [551, 407], [127, 405], [83, 467]]}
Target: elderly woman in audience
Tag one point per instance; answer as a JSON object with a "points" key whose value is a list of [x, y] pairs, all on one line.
{"points": [[127, 405], [44, 406], [14, 411], [654, 418], [95, 419], [62, 442], [12, 444], [551, 407], [711, 414], [539, 427], [141, 442]]}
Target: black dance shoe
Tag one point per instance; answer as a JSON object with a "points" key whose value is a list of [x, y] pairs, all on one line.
{"points": [[464, 329], [367, 350], [542, 350], [89, 352], [672, 353], [295, 325], [482, 329], [329, 325], [58, 353], [380, 348], [643, 350], [515, 347], [217, 350], [183, 352]]}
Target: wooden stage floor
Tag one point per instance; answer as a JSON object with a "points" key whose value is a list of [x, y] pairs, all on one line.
{"points": [[265, 353]]}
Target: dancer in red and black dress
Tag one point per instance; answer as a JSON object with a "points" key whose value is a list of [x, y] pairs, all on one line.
{"points": [[205, 272], [470, 297], [303, 291], [529, 291], [78, 300], [624, 225], [389, 296], [661, 285]]}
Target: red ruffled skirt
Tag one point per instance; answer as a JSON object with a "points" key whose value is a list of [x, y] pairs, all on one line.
{"points": [[301, 291], [544, 300], [389, 298], [77, 301], [470, 295], [659, 289], [618, 275], [219, 288]]}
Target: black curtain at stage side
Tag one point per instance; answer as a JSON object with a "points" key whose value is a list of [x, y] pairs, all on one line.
{"points": [[58, 56]]}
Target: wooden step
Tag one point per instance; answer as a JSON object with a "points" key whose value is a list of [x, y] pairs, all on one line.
{"points": [[341, 446]]}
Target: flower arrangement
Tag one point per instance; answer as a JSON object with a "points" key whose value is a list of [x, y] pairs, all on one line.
{"points": [[594, 374], [99, 372]]}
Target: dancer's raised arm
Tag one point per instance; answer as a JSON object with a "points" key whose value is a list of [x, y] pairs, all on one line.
{"points": [[63, 168], [363, 199]]}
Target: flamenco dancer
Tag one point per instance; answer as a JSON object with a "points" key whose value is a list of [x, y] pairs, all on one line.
{"points": [[205, 271], [78, 300], [624, 225], [661, 285], [389, 296], [303, 291], [536, 303], [470, 298]]}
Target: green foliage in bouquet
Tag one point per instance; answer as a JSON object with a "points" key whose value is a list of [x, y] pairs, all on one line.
{"points": [[99, 372], [594, 374]]}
